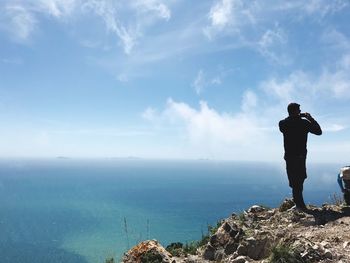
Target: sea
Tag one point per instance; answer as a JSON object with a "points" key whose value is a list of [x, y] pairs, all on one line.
{"points": [[85, 211]]}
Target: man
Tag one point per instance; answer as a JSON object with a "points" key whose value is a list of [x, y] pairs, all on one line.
{"points": [[344, 183], [295, 130]]}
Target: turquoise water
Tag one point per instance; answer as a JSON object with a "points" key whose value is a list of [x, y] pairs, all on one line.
{"points": [[84, 211]]}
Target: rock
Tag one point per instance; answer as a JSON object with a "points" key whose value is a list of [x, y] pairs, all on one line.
{"points": [[147, 251], [286, 204], [258, 248], [224, 242], [219, 254], [325, 244], [231, 247], [209, 252], [242, 250], [192, 259], [280, 233], [239, 259], [328, 254], [255, 209], [253, 238]]}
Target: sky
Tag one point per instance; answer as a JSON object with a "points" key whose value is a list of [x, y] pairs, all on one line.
{"points": [[172, 79]]}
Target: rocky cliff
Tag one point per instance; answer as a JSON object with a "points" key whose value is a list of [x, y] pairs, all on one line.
{"points": [[260, 234]]}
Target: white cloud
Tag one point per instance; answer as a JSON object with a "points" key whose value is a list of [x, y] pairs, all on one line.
{"points": [[250, 101], [320, 8], [202, 81], [206, 124], [199, 82], [207, 131], [337, 83], [345, 62], [270, 37], [123, 77], [226, 15], [305, 87], [336, 40], [216, 81], [298, 86], [272, 45], [312, 92], [108, 12], [250, 133], [12, 61], [124, 19], [159, 8], [127, 20], [333, 127], [243, 20], [58, 8], [149, 114], [21, 23], [337, 78], [221, 14]]}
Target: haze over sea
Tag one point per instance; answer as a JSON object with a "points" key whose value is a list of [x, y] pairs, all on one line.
{"points": [[69, 210]]}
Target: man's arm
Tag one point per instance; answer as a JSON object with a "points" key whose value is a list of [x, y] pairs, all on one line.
{"points": [[281, 126], [314, 127], [340, 182]]}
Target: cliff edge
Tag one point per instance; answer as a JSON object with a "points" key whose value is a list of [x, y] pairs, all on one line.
{"points": [[261, 234]]}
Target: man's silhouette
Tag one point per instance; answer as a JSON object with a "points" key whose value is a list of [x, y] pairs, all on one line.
{"points": [[295, 129]]}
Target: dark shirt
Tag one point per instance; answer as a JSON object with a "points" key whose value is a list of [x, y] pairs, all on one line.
{"points": [[295, 130]]}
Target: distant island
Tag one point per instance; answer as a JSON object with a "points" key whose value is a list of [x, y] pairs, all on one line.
{"points": [[126, 158]]}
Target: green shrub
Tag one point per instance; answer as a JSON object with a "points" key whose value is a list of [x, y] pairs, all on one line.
{"points": [[337, 200], [151, 257], [110, 260], [211, 231], [285, 254], [241, 218], [191, 248], [175, 249]]}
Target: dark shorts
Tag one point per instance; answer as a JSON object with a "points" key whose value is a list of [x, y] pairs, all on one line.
{"points": [[296, 170], [347, 197]]}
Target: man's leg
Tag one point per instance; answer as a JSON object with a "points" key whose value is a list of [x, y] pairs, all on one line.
{"points": [[296, 171], [297, 190], [347, 197]]}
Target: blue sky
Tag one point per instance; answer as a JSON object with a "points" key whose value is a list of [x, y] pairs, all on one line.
{"points": [[171, 79]]}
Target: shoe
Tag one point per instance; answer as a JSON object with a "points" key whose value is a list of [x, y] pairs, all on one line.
{"points": [[298, 208], [302, 209], [293, 208]]}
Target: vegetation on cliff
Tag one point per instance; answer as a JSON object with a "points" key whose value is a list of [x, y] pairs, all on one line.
{"points": [[261, 234]]}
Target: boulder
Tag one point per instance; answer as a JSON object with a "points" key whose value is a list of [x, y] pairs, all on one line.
{"points": [[256, 209], [224, 242], [149, 251], [239, 259], [258, 248]]}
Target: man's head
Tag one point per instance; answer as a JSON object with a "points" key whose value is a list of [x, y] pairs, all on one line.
{"points": [[293, 109], [345, 172]]}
